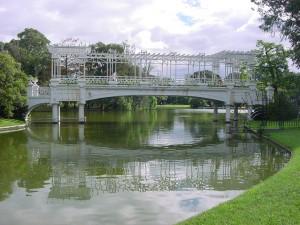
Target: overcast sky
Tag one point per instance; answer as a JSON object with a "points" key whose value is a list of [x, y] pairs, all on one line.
{"points": [[187, 26]]}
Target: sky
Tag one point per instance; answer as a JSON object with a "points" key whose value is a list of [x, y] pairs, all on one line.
{"points": [[185, 26]]}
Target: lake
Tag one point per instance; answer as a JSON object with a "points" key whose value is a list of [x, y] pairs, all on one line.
{"points": [[145, 168]]}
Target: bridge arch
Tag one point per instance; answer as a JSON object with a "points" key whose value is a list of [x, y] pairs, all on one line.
{"points": [[220, 95], [31, 108]]}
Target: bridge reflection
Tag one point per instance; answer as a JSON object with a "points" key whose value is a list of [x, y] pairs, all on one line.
{"points": [[81, 170]]}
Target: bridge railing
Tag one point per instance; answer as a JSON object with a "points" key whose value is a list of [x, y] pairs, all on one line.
{"points": [[152, 81], [37, 91], [44, 91]]}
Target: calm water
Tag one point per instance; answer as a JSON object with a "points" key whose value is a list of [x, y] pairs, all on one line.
{"points": [[142, 168]]}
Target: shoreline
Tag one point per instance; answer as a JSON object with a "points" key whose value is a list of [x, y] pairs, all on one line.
{"points": [[8, 129], [11, 125], [273, 201]]}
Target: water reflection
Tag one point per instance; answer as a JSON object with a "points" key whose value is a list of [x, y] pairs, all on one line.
{"points": [[214, 158], [178, 161]]}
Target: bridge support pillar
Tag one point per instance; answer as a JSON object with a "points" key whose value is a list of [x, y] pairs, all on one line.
{"points": [[81, 132], [249, 112], [55, 132], [81, 117], [55, 113], [215, 112], [227, 115], [236, 113]]}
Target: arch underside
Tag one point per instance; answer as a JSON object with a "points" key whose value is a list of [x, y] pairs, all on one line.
{"points": [[214, 96], [32, 107]]}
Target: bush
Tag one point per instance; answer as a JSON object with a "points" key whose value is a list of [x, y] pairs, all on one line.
{"points": [[198, 102], [281, 109]]}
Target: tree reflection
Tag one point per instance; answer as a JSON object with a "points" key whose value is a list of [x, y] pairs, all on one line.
{"points": [[115, 155], [17, 166], [81, 171], [13, 162]]}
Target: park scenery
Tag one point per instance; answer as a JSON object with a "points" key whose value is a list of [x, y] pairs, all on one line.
{"points": [[150, 112]]}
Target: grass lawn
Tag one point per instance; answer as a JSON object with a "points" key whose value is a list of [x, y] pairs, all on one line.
{"points": [[255, 125], [10, 122], [272, 202], [173, 106]]}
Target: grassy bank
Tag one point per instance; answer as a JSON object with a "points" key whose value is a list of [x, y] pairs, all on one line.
{"points": [[255, 125], [272, 202], [10, 122], [173, 106]]}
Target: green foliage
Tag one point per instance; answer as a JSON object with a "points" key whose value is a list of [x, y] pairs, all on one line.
{"points": [[153, 102], [144, 102], [162, 100], [101, 47], [32, 52], [281, 109], [13, 48], [291, 84], [244, 73], [272, 64], [180, 100], [10, 122], [198, 102], [12, 86], [262, 126], [205, 74], [272, 69], [123, 69], [125, 103], [2, 46], [282, 16], [15, 166]]}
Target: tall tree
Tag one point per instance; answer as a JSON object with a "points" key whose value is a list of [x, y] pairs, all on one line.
{"points": [[2, 46], [12, 85], [272, 64], [283, 16], [31, 50]]}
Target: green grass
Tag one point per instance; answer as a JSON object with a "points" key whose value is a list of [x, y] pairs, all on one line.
{"points": [[173, 106], [276, 201], [10, 122], [255, 125]]}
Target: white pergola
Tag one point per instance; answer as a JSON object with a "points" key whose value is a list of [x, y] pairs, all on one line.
{"points": [[71, 61]]}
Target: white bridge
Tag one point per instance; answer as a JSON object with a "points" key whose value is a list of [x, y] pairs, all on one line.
{"points": [[80, 74]]}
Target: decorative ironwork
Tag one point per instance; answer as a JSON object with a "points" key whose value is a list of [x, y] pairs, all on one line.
{"points": [[72, 61], [44, 91]]}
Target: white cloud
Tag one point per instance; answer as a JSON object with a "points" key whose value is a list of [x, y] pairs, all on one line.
{"points": [[2, 9], [171, 25], [144, 38]]}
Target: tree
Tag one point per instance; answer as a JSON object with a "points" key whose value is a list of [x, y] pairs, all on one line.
{"points": [[198, 102], [13, 48], [282, 16], [205, 74], [1, 46], [12, 85], [272, 64], [32, 52], [100, 69]]}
